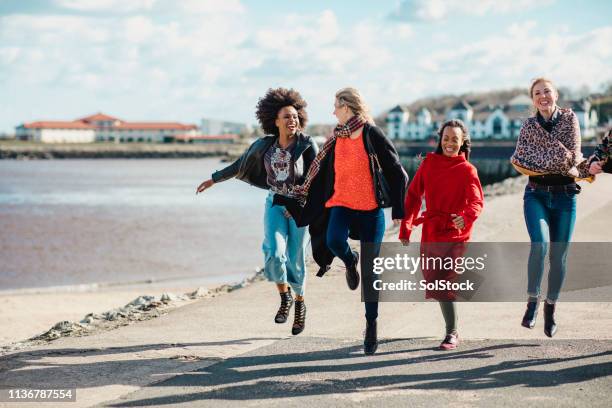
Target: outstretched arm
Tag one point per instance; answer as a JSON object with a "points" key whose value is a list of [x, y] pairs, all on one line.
{"points": [[412, 203]]}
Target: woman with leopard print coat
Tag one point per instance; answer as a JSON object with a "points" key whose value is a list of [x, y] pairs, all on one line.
{"points": [[548, 150]]}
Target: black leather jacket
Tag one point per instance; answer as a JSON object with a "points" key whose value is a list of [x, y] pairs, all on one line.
{"points": [[250, 166]]}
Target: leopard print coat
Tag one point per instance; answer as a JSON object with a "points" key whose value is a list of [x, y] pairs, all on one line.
{"points": [[557, 152]]}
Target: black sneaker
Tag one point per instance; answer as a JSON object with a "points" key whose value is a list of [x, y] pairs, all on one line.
{"points": [[352, 276]]}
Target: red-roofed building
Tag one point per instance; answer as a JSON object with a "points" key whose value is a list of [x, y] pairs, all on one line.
{"points": [[102, 128]]}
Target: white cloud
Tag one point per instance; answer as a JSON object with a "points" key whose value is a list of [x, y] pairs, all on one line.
{"points": [[294, 33], [8, 55], [519, 54], [438, 10], [121, 6], [138, 29], [210, 6]]}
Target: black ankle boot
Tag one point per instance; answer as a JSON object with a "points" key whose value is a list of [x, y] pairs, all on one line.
{"points": [[529, 318], [299, 321], [352, 276], [285, 307], [370, 343], [550, 327]]}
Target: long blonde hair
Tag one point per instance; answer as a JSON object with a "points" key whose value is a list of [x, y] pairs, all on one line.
{"points": [[351, 98]]}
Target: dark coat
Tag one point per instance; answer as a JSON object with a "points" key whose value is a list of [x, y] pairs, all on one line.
{"points": [[251, 169], [316, 216]]}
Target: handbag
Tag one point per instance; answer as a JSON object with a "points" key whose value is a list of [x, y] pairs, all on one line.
{"points": [[381, 187], [606, 165]]}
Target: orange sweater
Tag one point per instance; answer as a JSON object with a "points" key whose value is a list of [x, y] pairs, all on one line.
{"points": [[353, 185]]}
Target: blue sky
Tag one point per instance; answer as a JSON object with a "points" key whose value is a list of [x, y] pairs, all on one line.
{"points": [[187, 59]]}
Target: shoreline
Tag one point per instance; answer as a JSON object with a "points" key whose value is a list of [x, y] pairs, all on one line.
{"points": [[41, 151], [141, 307]]}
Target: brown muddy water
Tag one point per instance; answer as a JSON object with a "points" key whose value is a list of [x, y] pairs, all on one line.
{"points": [[75, 222]]}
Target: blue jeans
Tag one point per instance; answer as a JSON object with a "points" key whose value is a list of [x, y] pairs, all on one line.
{"points": [[550, 217], [371, 225], [284, 248]]}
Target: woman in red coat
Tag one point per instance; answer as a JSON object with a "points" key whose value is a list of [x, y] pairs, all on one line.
{"points": [[453, 201]]}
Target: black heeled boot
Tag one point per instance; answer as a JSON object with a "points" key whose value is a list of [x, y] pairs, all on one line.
{"points": [[299, 321], [285, 307], [352, 276], [370, 343], [529, 318], [550, 327]]}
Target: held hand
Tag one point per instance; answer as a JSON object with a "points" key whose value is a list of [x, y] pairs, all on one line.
{"points": [[206, 184], [287, 214], [458, 221], [397, 221], [405, 242], [595, 168]]}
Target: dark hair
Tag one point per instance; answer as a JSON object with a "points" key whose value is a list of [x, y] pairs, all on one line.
{"points": [[275, 100], [466, 146]]}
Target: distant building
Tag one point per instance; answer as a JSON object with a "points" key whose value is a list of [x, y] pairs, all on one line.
{"points": [[220, 127], [501, 121], [214, 139], [101, 128]]}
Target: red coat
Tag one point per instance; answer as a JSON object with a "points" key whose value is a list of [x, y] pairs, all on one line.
{"points": [[450, 186]]}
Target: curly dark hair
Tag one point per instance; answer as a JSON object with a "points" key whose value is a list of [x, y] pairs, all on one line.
{"points": [[466, 146], [276, 99]]}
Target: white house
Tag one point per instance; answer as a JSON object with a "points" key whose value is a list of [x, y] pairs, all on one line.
{"points": [[56, 132], [101, 127], [587, 118], [484, 121]]}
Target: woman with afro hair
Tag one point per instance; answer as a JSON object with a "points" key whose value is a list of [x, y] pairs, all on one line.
{"points": [[276, 162]]}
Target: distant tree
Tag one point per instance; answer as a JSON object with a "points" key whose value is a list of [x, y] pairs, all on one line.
{"points": [[583, 92], [319, 129], [565, 93], [257, 132]]}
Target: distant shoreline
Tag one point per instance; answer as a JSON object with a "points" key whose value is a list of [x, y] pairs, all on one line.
{"points": [[41, 151]]}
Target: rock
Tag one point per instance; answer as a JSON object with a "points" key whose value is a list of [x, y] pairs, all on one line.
{"points": [[199, 292], [88, 319], [171, 297], [62, 326], [114, 314], [141, 301]]}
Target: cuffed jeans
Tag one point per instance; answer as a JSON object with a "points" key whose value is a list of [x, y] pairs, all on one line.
{"points": [[550, 217], [371, 225], [284, 248]]}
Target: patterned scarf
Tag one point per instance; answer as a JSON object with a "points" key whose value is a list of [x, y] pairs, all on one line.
{"points": [[300, 192], [349, 127], [558, 152]]}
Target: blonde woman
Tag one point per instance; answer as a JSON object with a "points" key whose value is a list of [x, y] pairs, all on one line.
{"points": [[548, 150], [341, 196]]}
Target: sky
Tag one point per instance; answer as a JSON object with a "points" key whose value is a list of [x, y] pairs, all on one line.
{"points": [[183, 60]]}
